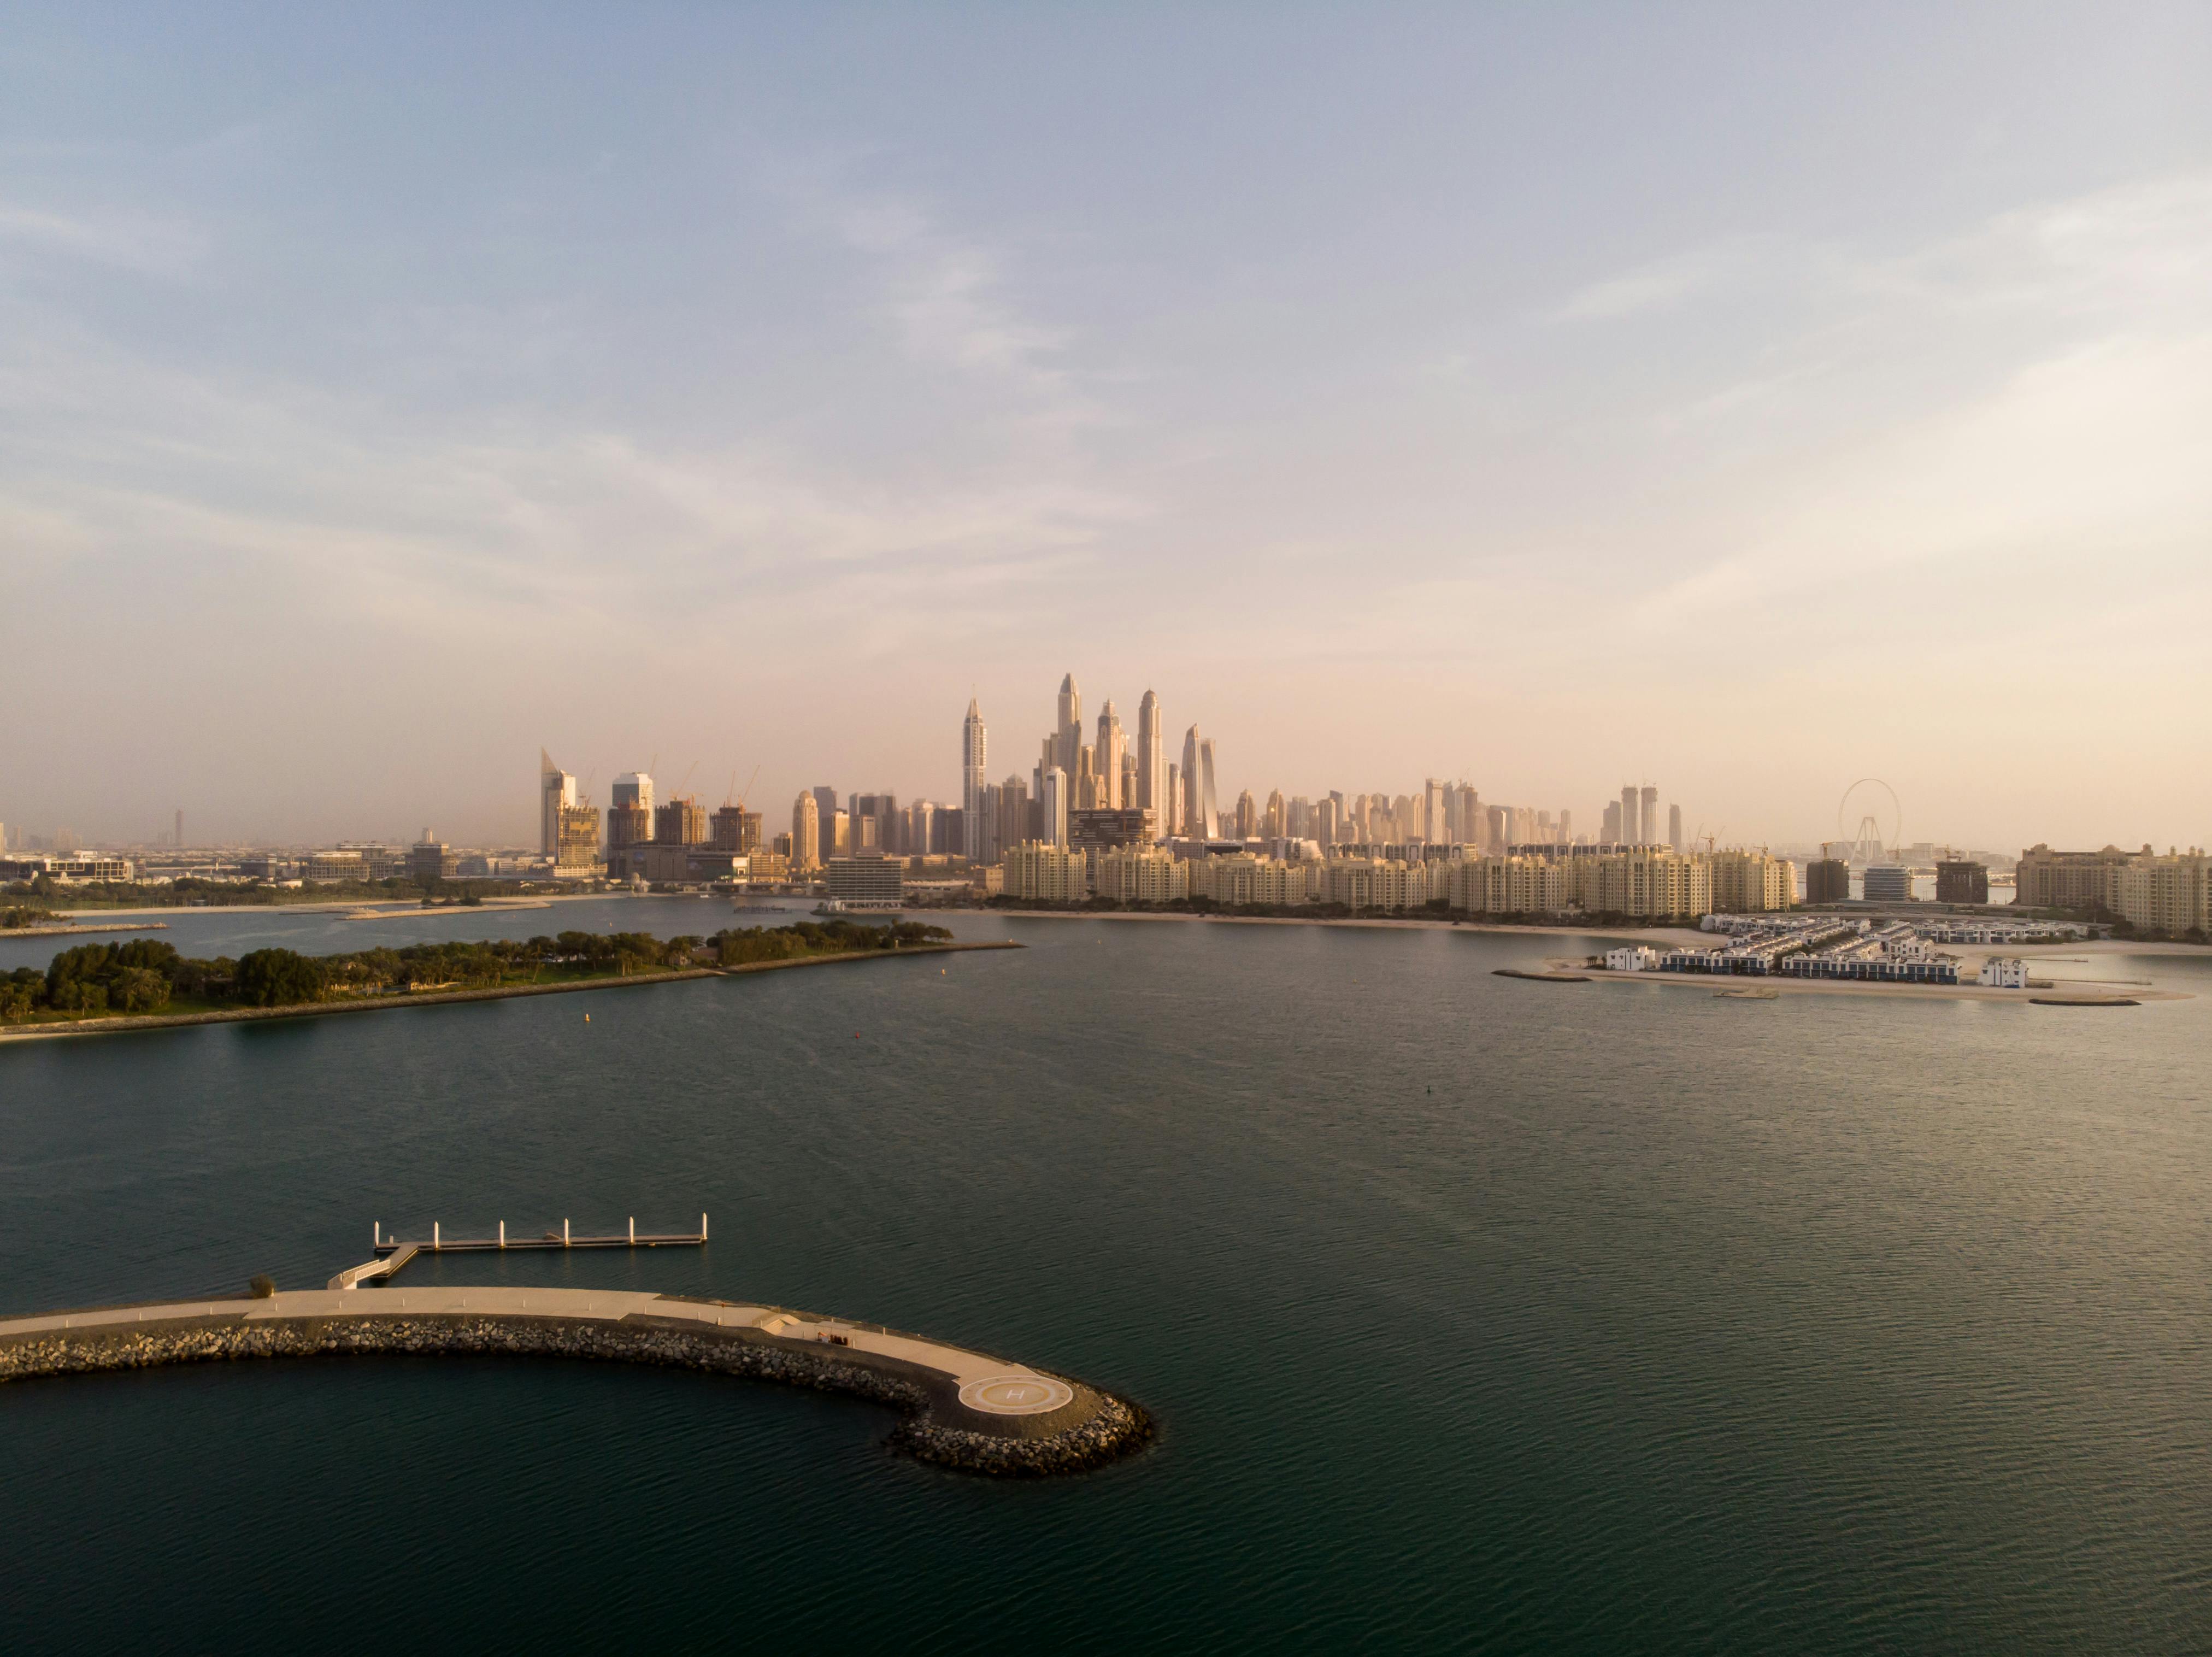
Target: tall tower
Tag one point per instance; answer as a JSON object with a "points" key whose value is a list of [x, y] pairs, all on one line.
{"points": [[1632, 825], [1070, 734], [1436, 812], [972, 780], [1054, 799], [634, 789], [1209, 814], [1675, 827], [1193, 823], [1112, 744], [1152, 766], [805, 833], [1648, 817], [555, 789]]}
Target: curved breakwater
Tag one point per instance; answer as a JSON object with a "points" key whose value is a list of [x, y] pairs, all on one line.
{"points": [[962, 1408]]}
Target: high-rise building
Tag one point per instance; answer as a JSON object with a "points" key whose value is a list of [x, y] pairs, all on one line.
{"points": [[680, 822], [1054, 802], [633, 789], [1827, 880], [1129, 794], [1209, 815], [1106, 759], [1010, 820], [973, 777], [1436, 812], [2068, 880], [1248, 816], [1609, 832], [1632, 822], [805, 833], [735, 829], [1151, 763], [1675, 827], [557, 790], [1192, 823], [1069, 737], [1647, 817], [1273, 820], [1566, 828], [1172, 816]]}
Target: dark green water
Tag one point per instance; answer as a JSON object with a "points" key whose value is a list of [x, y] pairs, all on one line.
{"points": [[1477, 1314]]}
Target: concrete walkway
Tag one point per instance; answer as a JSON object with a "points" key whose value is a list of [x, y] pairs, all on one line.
{"points": [[986, 1385]]}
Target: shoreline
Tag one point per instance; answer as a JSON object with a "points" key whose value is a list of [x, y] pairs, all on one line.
{"points": [[1382, 924], [15, 932], [131, 1024], [1716, 982]]}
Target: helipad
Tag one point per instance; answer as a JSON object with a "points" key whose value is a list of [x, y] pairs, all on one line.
{"points": [[1016, 1395]]}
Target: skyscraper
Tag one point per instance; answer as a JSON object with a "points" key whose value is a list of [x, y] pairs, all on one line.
{"points": [[634, 789], [1054, 798], [1675, 827], [1189, 810], [1070, 734], [1632, 824], [556, 789], [1171, 814], [1648, 817], [805, 833], [1436, 812], [1609, 833], [825, 823], [1209, 814], [1152, 765], [972, 775], [1107, 758]]}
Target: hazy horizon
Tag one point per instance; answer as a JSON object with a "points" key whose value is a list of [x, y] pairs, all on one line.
{"points": [[1741, 402]]}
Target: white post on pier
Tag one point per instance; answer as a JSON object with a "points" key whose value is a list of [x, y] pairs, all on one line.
{"points": [[633, 1231], [434, 1244], [376, 1233], [564, 1234], [502, 1234], [702, 1227]]}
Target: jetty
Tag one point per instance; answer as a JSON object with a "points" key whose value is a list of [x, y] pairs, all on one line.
{"points": [[962, 1407]]}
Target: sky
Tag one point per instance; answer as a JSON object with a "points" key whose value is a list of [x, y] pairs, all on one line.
{"points": [[1741, 400]]}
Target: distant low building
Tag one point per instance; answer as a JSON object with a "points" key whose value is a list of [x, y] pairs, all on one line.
{"points": [[2004, 973], [1961, 881], [875, 881], [1887, 883], [1827, 880], [429, 860]]}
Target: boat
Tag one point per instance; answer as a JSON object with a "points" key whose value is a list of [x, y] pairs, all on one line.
{"points": [[1748, 995]]}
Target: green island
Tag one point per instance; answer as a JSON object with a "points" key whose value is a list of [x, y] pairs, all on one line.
{"points": [[146, 978]]}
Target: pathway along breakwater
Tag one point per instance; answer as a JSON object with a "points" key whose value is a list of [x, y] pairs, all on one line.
{"points": [[962, 1409]]}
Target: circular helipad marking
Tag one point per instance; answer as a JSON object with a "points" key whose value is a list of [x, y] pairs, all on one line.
{"points": [[1016, 1395]]}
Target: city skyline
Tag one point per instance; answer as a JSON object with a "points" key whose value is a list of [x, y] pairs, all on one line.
{"points": [[1559, 405]]}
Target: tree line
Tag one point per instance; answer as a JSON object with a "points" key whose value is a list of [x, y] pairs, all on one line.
{"points": [[144, 976]]}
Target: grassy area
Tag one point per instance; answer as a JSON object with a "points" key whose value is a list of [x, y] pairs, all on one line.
{"points": [[142, 978]]}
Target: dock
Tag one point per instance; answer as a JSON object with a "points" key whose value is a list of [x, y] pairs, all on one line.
{"points": [[394, 1252]]}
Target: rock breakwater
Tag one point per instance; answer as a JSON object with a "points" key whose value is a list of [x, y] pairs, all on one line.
{"points": [[1091, 1428]]}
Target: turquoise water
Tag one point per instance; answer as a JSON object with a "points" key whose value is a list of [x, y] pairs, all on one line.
{"points": [[1476, 1314]]}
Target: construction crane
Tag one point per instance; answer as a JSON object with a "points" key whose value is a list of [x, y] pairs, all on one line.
{"points": [[676, 793]]}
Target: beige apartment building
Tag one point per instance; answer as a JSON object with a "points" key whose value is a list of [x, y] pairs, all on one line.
{"points": [[1138, 874], [1047, 873], [1244, 878], [1379, 884], [2168, 895], [1654, 883], [2069, 880], [1752, 883]]}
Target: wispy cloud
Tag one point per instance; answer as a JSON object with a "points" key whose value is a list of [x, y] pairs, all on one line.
{"points": [[133, 241]]}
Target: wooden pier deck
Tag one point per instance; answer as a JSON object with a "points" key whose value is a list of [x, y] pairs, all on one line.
{"points": [[394, 1252]]}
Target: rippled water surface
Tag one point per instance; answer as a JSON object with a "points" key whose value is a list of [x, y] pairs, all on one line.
{"points": [[1476, 1314]]}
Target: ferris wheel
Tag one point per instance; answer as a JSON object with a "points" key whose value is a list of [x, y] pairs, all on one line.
{"points": [[1862, 838]]}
